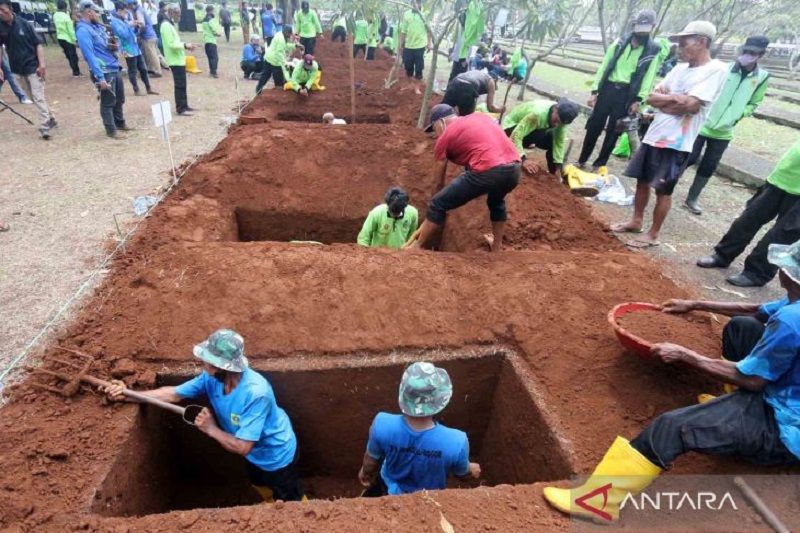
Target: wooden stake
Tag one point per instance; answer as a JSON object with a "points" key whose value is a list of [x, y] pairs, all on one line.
{"points": [[352, 80]]}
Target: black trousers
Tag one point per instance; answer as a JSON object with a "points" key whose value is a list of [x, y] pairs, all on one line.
{"points": [[414, 62], [612, 105], [137, 64], [707, 161], [370, 53], [284, 482], [213, 57], [72, 56], [339, 33], [111, 102], [461, 95], [740, 424], [252, 67], [179, 80], [459, 67], [308, 43], [768, 203], [495, 183], [227, 29], [271, 71], [542, 139], [359, 47]]}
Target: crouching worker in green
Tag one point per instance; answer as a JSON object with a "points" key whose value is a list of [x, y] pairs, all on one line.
{"points": [[759, 422], [244, 417], [417, 452], [390, 224], [304, 76], [541, 124]]}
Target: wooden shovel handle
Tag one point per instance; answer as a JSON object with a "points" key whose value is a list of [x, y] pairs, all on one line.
{"points": [[138, 396]]}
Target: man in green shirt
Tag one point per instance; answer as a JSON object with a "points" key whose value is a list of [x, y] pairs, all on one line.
{"points": [[743, 91], [622, 82], [210, 33], [275, 59], [390, 224], [307, 26], [778, 197], [415, 38], [360, 35], [373, 38], [542, 124], [304, 76], [65, 33], [339, 28], [175, 53]]}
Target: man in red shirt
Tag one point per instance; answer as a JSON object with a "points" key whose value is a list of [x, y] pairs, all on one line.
{"points": [[491, 167]]}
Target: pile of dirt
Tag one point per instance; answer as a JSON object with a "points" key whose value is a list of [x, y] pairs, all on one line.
{"points": [[699, 332]]}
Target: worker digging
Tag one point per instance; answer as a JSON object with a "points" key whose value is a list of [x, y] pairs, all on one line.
{"points": [[281, 341]]}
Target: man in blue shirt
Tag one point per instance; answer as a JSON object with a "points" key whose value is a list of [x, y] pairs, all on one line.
{"points": [[759, 422], [246, 419], [417, 452], [98, 51], [268, 24], [253, 58], [124, 27]]}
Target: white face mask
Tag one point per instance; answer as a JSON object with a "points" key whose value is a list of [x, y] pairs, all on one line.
{"points": [[747, 60]]}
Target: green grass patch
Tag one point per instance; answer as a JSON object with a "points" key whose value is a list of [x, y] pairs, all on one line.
{"points": [[763, 138], [562, 77]]}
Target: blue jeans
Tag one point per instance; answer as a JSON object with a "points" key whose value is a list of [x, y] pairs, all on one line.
{"points": [[11, 82]]}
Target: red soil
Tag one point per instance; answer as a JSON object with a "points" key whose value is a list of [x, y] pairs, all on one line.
{"points": [[655, 326], [185, 274]]}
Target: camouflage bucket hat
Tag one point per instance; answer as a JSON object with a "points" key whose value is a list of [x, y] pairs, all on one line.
{"points": [[787, 258], [425, 390], [224, 349]]}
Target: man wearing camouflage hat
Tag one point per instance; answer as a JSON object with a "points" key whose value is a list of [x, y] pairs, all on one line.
{"points": [[244, 418], [759, 422], [417, 452]]}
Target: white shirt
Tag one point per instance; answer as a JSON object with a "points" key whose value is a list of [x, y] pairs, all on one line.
{"points": [[704, 83], [339, 121]]}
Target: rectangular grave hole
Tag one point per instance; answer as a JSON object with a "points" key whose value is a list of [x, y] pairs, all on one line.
{"points": [[312, 116], [166, 465], [257, 225]]}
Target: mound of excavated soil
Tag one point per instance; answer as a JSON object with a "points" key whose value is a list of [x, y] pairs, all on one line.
{"points": [[697, 331]]}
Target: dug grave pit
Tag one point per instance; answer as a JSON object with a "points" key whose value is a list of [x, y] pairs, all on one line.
{"points": [[307, 116], [256, 225], [167, 465]]}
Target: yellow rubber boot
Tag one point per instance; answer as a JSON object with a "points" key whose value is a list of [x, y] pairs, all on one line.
{"points": [[265, 493], [705, 398], [315, 86], [622, 470], [288, 86]]}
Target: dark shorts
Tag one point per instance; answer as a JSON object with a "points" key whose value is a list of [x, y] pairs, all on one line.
{"points": [[284, 482], [495, 183], [414, 61], [464, 96], [661, 168]]}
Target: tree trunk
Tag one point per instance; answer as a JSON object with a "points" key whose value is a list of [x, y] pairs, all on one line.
{"points": [[426, 97], [600, 5]]}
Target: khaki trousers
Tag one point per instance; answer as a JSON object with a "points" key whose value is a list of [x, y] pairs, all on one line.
{"points": [[34, 86]]}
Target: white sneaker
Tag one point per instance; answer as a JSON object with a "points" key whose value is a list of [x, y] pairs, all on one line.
{"points": [[26, 101]]}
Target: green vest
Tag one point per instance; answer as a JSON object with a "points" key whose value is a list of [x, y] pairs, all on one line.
{"points": [[738, 99]]}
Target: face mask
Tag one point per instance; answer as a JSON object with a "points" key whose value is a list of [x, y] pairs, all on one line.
{"points": [[219, 375], [747, 60]]}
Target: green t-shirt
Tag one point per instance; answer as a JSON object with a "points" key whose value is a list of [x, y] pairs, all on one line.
{"points": [[174, 52], [340, 22], [278, 50], [381, 230], [307, 25], [413, 27], [303, 77], [531, 116], [388, 43], [786, 174], [374, 34], [361, 32], [210, 32], [65, 29]]}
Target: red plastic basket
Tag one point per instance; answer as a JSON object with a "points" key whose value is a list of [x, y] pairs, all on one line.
{"points": [[627, 339]]}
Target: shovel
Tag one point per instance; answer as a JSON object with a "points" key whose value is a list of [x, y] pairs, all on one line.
{"points": [[73, 385]]}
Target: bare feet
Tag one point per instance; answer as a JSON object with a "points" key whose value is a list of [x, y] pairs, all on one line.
{"points": [[493, 247], [645, 241], [626, 227], [4, 226]]}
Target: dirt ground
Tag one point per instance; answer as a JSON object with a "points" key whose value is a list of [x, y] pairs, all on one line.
{"points": [[542, 385]]}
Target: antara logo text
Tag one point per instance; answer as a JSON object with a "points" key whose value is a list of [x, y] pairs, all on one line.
{"points": [[668, 501]]}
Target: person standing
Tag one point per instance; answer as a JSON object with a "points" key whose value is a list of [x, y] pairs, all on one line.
{"points": [[307, 26], [268, 24], [742, 93], [410, 452], [778, 198], [622, 83], [339, 30], [26, 60], [275, 59], [225, 20], [9, 77], [360, 35], [65, 33], [99, 53], [123, 27], [491, 167], [210, 34], [682, 102], [373, 39], [244, 18], [147, 38], [415, 39], [175, 50]]}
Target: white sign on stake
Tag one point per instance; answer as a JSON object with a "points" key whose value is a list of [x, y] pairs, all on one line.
{"points": [[162, 116]]}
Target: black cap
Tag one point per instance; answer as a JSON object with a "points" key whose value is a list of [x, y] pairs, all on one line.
{"points": [[438, 112], [396, 199], [756, 44], [567, 110], [645, 21]]}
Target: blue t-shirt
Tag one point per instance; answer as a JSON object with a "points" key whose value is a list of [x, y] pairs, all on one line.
{"points": [[416, 460], [249, 53], [776, 358], [268, 23], [249, 413], [126, 36], [93, 42]]}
